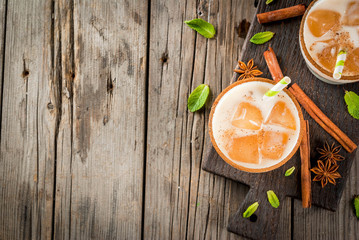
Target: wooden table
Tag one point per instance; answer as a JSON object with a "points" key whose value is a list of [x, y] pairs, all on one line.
{"points": [[96, 138]]}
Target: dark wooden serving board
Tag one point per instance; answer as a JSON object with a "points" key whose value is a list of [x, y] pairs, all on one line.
{"points": [[329, 98]]}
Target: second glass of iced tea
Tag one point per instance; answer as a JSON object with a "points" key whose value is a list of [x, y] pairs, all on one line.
{"points": [[327, 27]]}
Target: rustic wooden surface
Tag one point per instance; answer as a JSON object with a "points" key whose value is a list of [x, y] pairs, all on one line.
{"points": [[96, 139]]}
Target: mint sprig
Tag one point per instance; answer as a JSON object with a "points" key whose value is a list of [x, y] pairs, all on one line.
{"points": [[250, 210], [262, 37], [273, 199], [289, 171], [202, 27], [352, 101], [198, 97]]}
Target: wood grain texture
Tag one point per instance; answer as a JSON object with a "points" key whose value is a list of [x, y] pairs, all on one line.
{"points": [[101, 57], [28, 124], [287, 48], [181, 200], [65, 76]]}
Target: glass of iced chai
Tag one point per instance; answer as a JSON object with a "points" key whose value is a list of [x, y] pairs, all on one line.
{"points": [[253, 134]]}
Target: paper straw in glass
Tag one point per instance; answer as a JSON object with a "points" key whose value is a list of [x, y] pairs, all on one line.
{"points": [[339, 66], [277, 88]]}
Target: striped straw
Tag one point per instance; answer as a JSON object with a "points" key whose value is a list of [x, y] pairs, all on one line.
{"points": [[277, 88], [338, 71]]}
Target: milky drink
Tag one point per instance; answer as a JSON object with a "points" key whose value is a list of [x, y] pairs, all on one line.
{"points": [[251, 133], [328, 27]]}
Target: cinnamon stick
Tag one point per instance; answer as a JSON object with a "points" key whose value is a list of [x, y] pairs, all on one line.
{"points": [[281, 14], [309, 105], [322, 119], [306, 180], [273, 65]]}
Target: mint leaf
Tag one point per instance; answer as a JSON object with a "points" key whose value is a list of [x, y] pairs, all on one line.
{"points": [[198, 97], [356, 205], [289, 171], [273, 199], [352, 100], [250, 210], [202, 27], [262, 37], [269, 1]]}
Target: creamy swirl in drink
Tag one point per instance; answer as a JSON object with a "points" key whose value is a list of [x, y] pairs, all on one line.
{"points": [[328, 27], [251, 133]]}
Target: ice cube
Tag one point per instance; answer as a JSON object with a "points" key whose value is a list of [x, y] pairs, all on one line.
{"points": [[352, 14], [247, 116], [281, 116], [273, 144], [244, 149], [328, 57], [321, 21], [352, 63]]}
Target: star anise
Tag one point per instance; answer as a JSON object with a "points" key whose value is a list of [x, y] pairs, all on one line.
{"points": [[326, 173], [247, 71], [330, 153]]}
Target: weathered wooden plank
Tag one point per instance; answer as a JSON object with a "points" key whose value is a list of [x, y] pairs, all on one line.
{"points": [[181, 200], [101, 133], [65, 75], [28, 123], [316, 223]]}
